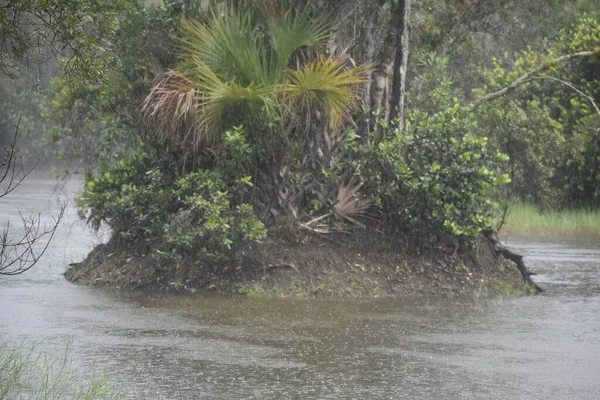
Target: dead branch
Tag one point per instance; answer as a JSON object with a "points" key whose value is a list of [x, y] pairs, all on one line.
{"points": [[514, 257], [19, 255]]}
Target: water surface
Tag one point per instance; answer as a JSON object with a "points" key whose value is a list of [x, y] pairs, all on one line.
{"points": [[177, 347]]}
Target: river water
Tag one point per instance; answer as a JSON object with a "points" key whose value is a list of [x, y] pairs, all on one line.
{"points": [[177, 347]]}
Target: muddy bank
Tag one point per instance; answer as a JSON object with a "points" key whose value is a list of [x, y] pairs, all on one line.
{"points": [[313, 268]]}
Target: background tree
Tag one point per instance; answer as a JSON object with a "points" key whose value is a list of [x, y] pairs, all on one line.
{"points": [[549, 119]]}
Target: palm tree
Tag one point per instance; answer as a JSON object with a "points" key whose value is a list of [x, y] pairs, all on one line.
{"points": [[251, 64], [242, 61]]}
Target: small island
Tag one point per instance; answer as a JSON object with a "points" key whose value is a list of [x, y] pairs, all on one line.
{"points": [[315, 267], [263, 161]]}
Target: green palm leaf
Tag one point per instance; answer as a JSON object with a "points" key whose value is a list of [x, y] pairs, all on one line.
{"points": [[230, 45], [197, 105], [218, 98], [231, 71], [292, 28], [328, 84]]}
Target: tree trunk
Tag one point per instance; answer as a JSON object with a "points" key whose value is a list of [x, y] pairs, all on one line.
{"points": [[379, 90], [400, 64], [370, 38], [372, 42]]}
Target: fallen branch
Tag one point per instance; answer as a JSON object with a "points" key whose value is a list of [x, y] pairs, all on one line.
{"points": [[508, 254]]}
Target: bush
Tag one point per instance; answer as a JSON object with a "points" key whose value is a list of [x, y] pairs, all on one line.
{"points": [[207, 223], [133, 195], [149, 203], [437, 176]]}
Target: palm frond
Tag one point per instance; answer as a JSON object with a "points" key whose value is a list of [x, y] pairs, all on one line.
{"points": [[170, 108], [218, 97], [199, 41], [189, 112], [349, 206], [230, 71], [230, 45], [292, 27], [328, 84]]}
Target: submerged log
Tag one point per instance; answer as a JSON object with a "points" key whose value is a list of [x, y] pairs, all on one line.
{"points": [[508, 254]]}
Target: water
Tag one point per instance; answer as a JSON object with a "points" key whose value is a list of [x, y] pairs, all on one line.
{"points": [[177, 347]]}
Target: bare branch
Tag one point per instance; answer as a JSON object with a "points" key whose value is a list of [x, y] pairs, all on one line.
{"points": [[13, 175], [588, 97], [18, 255], [532, 74]]}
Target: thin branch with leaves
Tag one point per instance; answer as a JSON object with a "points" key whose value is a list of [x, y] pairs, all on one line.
{"points": [[531, 75]]}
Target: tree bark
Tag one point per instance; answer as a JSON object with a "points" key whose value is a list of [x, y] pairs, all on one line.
{"points": [[514, 257], [370, 38], [400, 63], [382, 71], [374, 49]]}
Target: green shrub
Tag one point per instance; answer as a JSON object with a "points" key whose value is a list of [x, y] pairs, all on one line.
{"points": [[207, 223], [436, 175], [148, 202], [133, 196]]}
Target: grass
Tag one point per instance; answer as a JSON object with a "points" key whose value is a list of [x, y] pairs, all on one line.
{"points": [[525, 219], [28, 373]]}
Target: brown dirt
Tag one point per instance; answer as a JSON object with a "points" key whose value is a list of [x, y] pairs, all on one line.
{"points": [[315, 267]]}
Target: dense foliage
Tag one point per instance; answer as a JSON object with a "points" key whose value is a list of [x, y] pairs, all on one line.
{"points": [[295, 156], [437, 175], [149, 206], [550, 128]]}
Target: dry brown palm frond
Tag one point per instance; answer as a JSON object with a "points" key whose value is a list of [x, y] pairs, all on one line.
{"points": [[317, 219], [170, 111], [321, 228], [349, 206]]}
